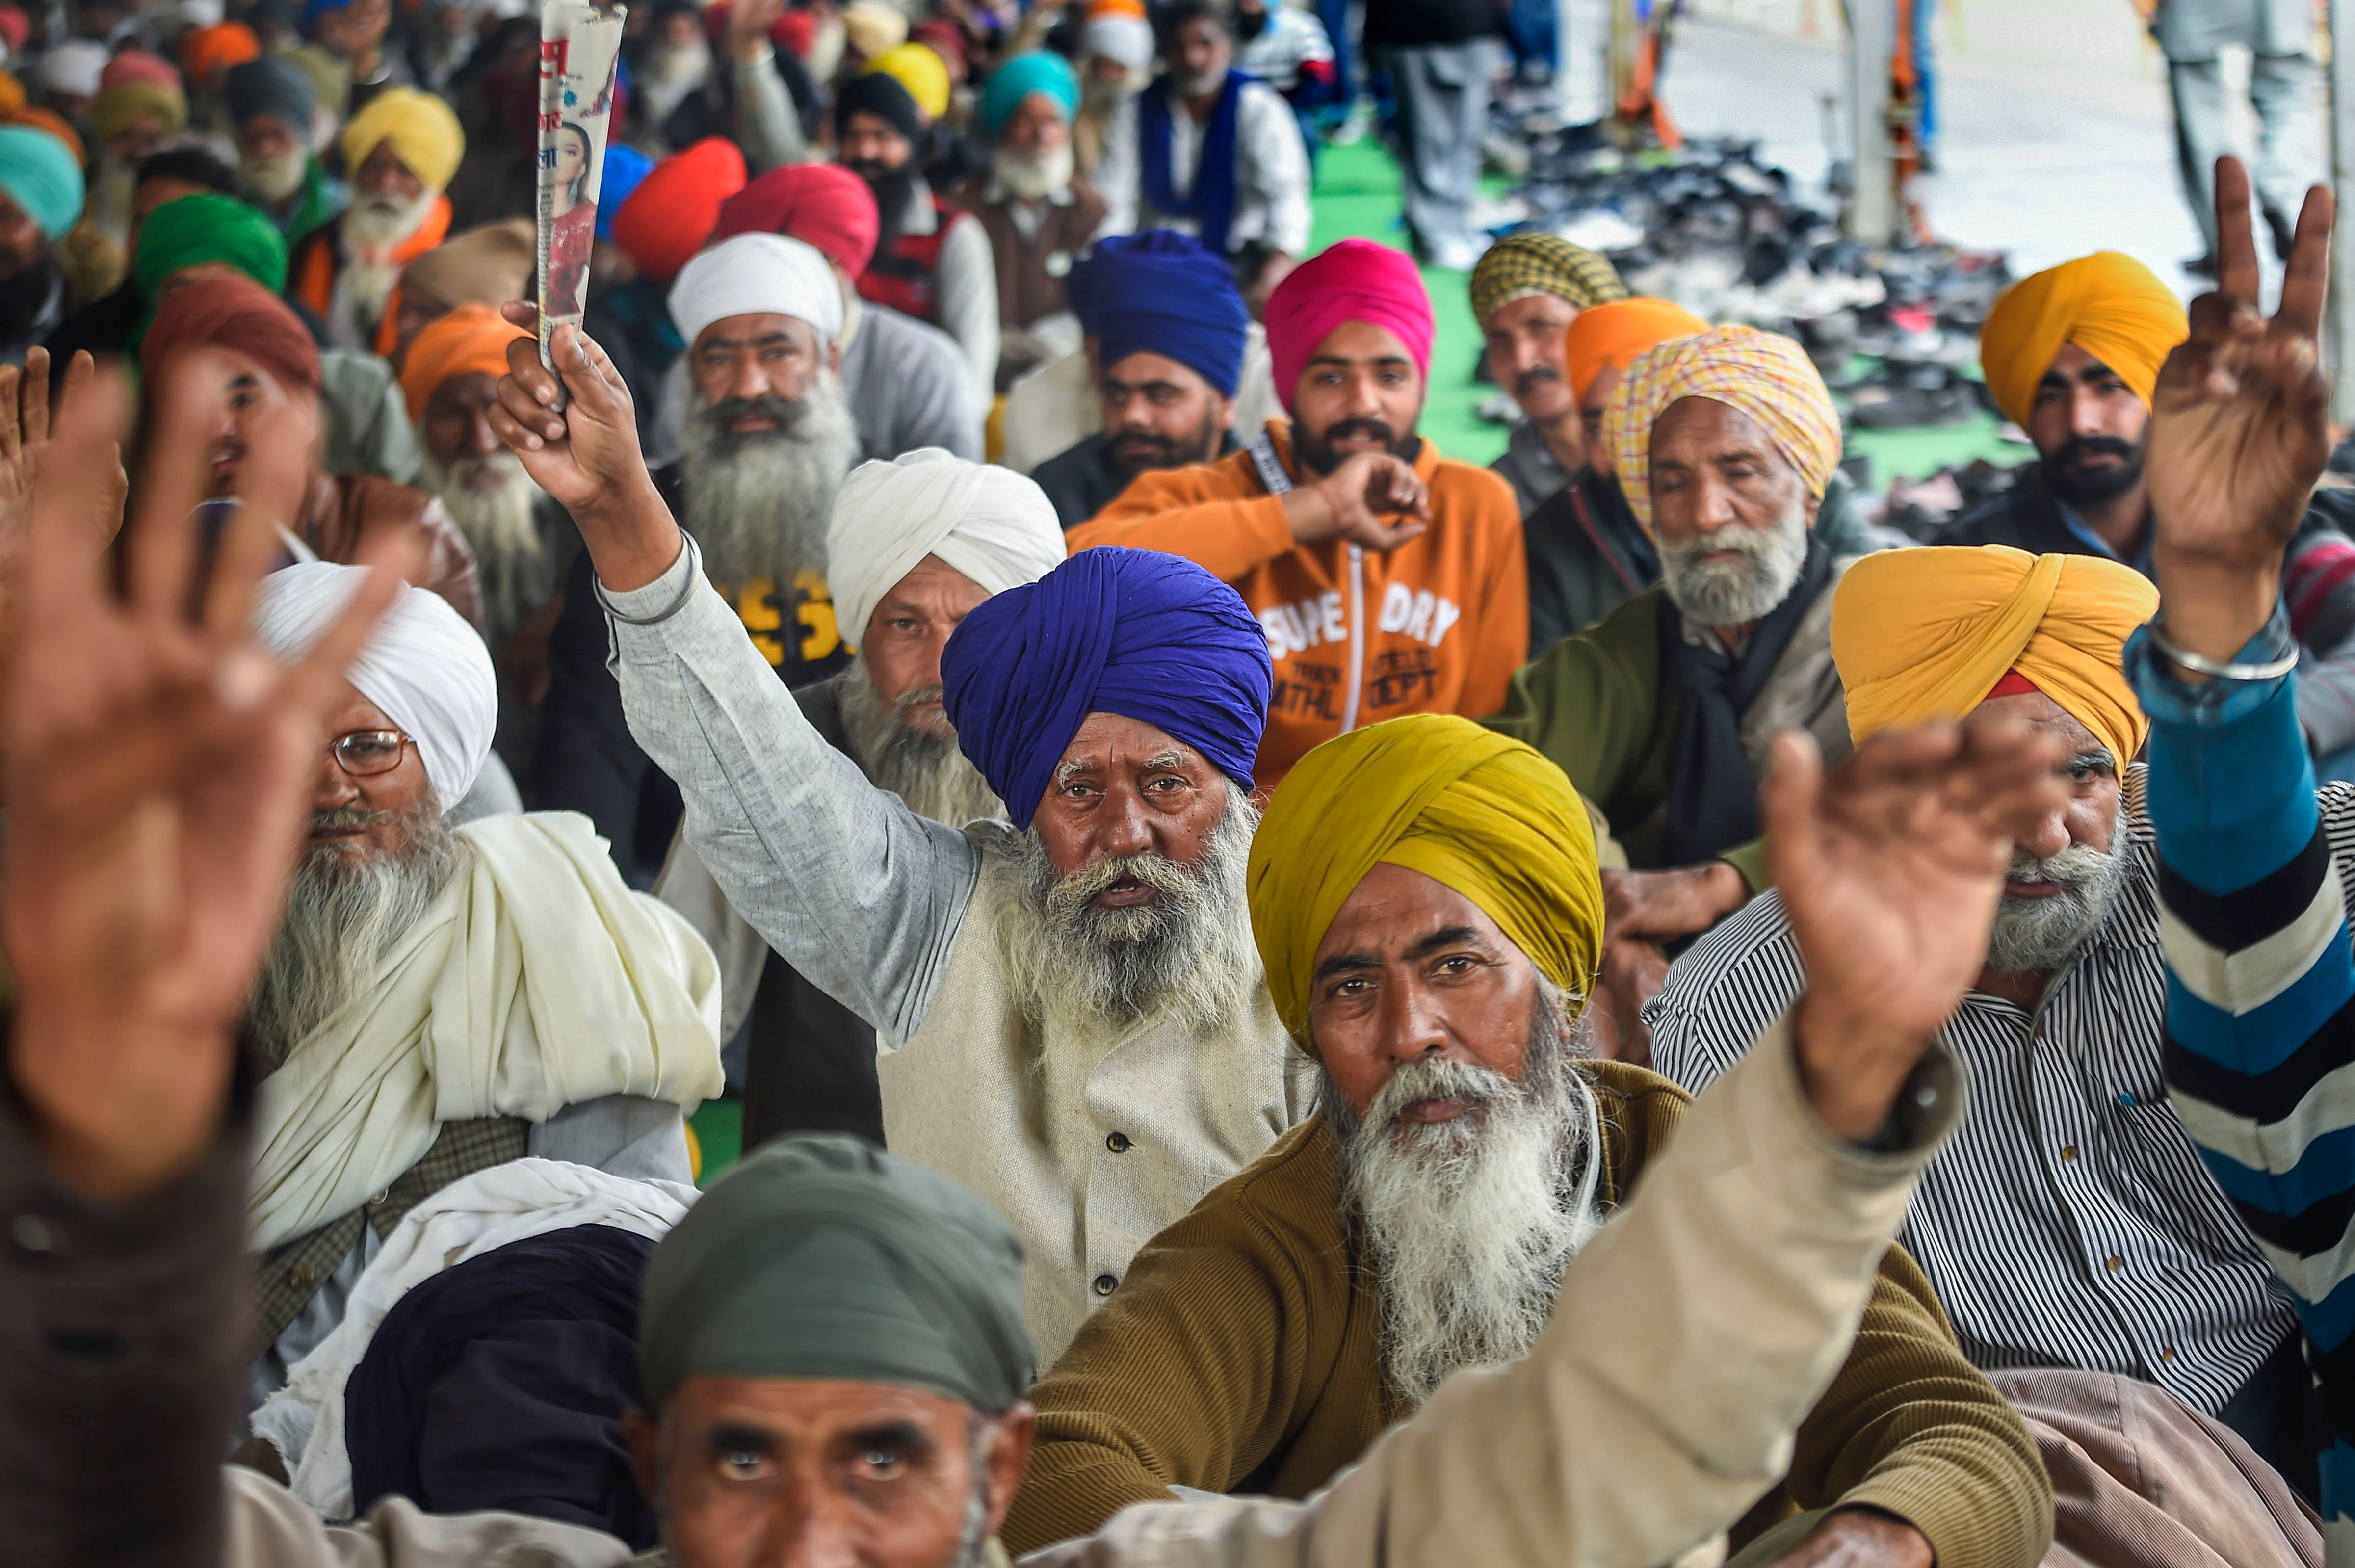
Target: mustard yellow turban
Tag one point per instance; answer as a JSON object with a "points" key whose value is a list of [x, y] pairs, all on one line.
{"points": [[2108, 304], [1927, 634], [424, 133], [1486, 816], [922, 71], [1764, 374]]}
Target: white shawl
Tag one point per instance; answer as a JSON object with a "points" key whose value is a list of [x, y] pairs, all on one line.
{"points": [[536, 980]]}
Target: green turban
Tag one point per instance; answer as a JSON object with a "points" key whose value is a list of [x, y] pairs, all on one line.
{"points": [[194, 229], [825, 1257]]}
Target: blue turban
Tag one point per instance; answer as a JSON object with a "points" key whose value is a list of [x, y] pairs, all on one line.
{"points": [[1149, 636], [1161, 292], [624, 167], [40, 177], [1036, 71]]}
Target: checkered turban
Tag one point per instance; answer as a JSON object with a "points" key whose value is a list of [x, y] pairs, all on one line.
{"points": [[1764, 374], [1522, 264]]}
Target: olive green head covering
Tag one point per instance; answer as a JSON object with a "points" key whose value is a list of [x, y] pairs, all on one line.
{"points": [[822, 1256]]}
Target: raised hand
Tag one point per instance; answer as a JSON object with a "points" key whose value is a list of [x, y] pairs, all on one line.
{"points": [[1890, 872], [158, 766]]}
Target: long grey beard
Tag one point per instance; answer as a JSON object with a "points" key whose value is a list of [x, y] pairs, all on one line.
{"points": [[759, 505], [1188, 957], [344, 913], [1033, 176], [501, 524], [1469, 1224], [925, 770], [1736, 593], [2041, 935]]}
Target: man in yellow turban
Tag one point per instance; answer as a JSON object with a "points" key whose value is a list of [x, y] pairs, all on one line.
{"points": [[1425, 897], [402, 150]]}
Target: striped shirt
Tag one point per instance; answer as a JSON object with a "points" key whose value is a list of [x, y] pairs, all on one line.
{"points": [[2071, 1223]]}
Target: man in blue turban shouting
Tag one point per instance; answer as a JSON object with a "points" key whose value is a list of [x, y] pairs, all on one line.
{"points": [[1069, 1010]]}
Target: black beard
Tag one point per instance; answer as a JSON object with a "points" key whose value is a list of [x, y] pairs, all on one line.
{"points": [[1167, 452], [2091, 487], [1250, 24], [893, 188], [23, 295], [1316, 448]]}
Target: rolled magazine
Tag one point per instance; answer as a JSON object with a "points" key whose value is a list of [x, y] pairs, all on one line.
{"points": [[579, 49]]}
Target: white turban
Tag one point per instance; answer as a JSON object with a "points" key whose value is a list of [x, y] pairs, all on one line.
{"points": [[1117, 37], [757, 274], [422, 663], [990, 523], [72, 66]]}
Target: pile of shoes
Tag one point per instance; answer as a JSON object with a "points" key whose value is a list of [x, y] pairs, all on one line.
{"points": [[1924, 508]]}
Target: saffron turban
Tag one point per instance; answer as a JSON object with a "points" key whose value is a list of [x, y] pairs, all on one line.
{"points": [[275, 86], [625, 169], [880, 94], [424, 133], [823, 1257], [1149, 636], [1162, 293], [2108, 303], [422, 664], [1520, 265], [1929, 634], [1033, 72], [471, 340], [920, 68], [990, 523], [50, 121], [1355, 280], [1613, 335], [234, 313], [489, 265], [670, 215], [824, 205], [757, 274], [1482, 815], [40, 179], [874, 28], [122, 107], [203, 227], [209, 51], [1763, 374]]}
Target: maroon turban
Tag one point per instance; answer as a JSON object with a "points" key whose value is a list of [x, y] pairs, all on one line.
{"points": [[235, 313], [669, 217], [824, 205]]}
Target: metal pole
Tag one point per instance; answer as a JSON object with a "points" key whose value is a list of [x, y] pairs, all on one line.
{"points": [[1565, 84], [2342, 235], [1872, 202]]}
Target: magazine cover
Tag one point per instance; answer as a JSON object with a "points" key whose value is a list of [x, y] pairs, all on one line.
{"points": [[579, 49]]}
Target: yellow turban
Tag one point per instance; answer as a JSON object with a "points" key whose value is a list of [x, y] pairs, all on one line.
{"points": [[919, 69], [1486, 816], [1927, 634], [2108, 304], [424, 135], [1763, 374]]}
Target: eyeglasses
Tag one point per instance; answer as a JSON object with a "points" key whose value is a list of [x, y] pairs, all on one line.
{"points": [[364, 753]]}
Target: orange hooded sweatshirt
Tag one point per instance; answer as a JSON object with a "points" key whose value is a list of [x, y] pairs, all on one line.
{"points": [[1437, 625]]}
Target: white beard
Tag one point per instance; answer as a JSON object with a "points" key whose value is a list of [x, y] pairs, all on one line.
{"points": [[1033, 178], [759, 505], [926, 771], [373, 230], [2041, 935], [1469, 1224], [672, 72], [1736, 593], [276, 178], [501, 523]]}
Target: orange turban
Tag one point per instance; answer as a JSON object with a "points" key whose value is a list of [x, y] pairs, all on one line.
{"points": [[1928, 634], [207, 52], [11, 93], [472, 339], [1763, 375], [2108, 304], [675, 208], [1615, 332]]}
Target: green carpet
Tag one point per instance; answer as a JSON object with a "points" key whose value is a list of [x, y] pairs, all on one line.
{"points": [[720, 1128]]}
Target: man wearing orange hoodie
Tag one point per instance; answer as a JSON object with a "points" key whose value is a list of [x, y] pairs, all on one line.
{"points": [[1390, 581]]}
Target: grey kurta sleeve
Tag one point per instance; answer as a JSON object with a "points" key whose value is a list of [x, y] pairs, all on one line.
{"points": [[857, 892]]}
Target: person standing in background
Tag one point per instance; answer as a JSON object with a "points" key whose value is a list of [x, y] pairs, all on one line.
{"points": [[2284, 88], [1438, 53]]}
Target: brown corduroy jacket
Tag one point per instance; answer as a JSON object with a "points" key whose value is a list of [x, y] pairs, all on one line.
{"points": [[1240, 1354]]}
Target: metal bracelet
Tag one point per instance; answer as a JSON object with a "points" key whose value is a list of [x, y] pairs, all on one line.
{"points": [[693, 554], [2273, 669]]}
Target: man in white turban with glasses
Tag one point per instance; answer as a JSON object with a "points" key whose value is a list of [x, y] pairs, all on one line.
{"points": [[440, 1000], [914, 544]]}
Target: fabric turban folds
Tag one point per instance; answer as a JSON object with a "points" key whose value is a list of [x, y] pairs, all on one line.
{"points": [[1929, 634], [1355, 280], [1161, 292], [822, 205], [424, 133], [1520, 265], [1035, 71], [40, 179], [1484, 815], [821, 1257], [1611, 336], [920, 68], [667, 220], [471, 340], [422, 665], [757, 274], [200, 227], [990, 523], [1148, 636], [236, 314], [1763, 374], [2108, 304]]}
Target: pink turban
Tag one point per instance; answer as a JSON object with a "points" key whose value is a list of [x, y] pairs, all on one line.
{"points": [[1355, 280]]}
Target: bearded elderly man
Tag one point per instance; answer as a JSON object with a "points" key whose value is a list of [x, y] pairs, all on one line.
{"points": [[401, 151], [1527, 290], [2116, 1251], [1662, 713], [1388, 580], [915, 544], [2073, 355], [1425, 897], [271, 105], [438, 1001], [766, 442]]}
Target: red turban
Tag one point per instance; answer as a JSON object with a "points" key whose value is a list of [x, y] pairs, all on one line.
{"points": [[138, 65], [824, 205], [236, 313], [1355, 280], [670, 216]]}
